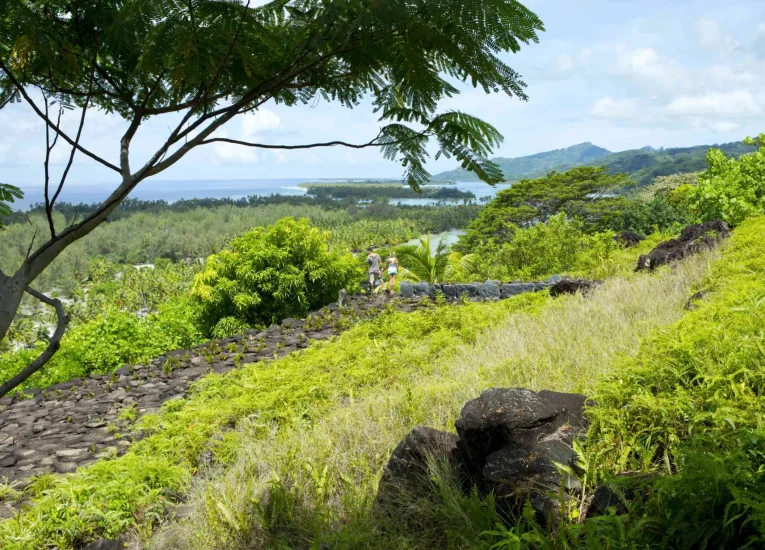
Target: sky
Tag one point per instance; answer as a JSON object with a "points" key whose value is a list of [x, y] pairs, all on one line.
{"points": [[621, 74]]}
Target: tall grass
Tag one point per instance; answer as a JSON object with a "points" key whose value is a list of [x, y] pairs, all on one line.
{"points": [[314, 482]]}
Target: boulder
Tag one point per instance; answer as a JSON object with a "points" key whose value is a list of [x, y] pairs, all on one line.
{"points": [[572, 286], [552, 279], [406, 470], [693, 239], [450, 292], [628, 238], [513, 289], [423, 289], [406, 289], [489, 291], [509, 440]]}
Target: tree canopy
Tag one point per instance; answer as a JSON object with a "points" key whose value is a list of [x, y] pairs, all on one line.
{"points": [[585, 192], [204, 62]]}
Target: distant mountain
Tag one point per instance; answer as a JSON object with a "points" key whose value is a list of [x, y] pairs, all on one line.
{"points": [[535, 166], [643, 165]]}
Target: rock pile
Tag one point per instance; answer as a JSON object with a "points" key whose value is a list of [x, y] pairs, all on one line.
{"points": [[508, 441], [693, 239]]}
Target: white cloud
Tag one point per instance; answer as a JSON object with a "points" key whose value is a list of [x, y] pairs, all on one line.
{"points": [[646, 64], [262, 120], [761, 28], [725, 126], [585, 54], [711, 36], [614, 108], [565, 62], [233, 153], [738, 103]]}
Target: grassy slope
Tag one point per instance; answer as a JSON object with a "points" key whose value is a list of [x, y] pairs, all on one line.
{"points": [[315, 481], [133, 491]]}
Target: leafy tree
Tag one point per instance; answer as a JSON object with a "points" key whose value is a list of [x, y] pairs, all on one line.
{"points": [[656, 214], [208, 61], [731, 189], [585, 192], [284, 270]]}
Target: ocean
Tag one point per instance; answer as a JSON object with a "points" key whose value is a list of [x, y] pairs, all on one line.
{"points": [[172, 191]]}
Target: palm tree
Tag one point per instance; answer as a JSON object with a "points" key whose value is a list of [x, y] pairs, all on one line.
{"points": [[421, 263]]}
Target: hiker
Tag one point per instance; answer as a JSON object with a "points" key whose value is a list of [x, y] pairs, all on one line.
{"points": [[374, 268], [392, 264]]}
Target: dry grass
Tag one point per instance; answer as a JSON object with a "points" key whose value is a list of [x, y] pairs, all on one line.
{"points": [[317, 481]]}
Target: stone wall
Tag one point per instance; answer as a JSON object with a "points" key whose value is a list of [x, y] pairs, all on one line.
{"points": [[489, 290]]}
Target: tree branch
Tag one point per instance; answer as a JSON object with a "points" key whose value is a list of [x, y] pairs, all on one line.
{"points": [[48, 148], [371, 143], [53, 345], [50, 122]]}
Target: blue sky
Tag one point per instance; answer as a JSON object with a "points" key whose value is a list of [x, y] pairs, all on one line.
{"points": [[619, 73]]}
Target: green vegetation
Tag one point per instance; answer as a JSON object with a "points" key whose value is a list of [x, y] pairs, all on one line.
{"points": [[313, 482], [731, 189], [586, 193], [375, 192], [146, 232], [423, 263], [559, 246], [690, 406], [642, 165], [269, 274], [134, 490], [8, 194]]}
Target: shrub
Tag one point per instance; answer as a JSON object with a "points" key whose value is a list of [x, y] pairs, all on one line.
{"points": [[108, 342], [544, 249], [731, 189], [272, 273]]}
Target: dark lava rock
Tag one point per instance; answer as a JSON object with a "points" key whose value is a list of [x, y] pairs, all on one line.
{"points": [[510, 439], [406, 289], [406, 470], [572, 286], [489, 291], [513, 289], [603, 499], [628, 238], [692, 240], [450, 292]]}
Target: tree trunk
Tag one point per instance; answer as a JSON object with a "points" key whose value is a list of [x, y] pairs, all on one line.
{"points": [[11, 291]]}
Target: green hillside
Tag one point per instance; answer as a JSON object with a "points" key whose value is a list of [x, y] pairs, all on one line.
{"points": [[643, 165], [534, 166]]}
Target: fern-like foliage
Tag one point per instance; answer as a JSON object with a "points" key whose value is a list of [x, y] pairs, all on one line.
{"points": [[142, 58], [8, 194]]}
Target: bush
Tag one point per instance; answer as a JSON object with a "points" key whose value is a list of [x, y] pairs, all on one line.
{"points": [[108, 342], [544, 249], [731, 189], [272, 273]]}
